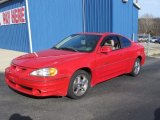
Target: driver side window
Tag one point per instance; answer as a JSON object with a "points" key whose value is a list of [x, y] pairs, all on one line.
{"points": [[111, 41]]}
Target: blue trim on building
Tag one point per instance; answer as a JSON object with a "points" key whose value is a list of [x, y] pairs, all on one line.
{"points": [[135, 23], [98, 15], [125, 18], [14, 37], [53, 20]]}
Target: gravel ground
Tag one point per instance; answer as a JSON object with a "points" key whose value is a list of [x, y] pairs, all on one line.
{"points": [[152, 48]]}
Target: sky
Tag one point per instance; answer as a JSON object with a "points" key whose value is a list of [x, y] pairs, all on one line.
{"points": [[150, 6]]}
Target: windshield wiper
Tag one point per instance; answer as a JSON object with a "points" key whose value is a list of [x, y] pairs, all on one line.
{"points": [[68, 48]]}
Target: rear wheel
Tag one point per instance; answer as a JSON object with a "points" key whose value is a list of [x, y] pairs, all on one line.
{"points": [[136, 68], [79, 84]]}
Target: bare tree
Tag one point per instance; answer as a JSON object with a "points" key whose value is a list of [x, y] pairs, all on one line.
{"points": [[146, 24], [156, 26]]}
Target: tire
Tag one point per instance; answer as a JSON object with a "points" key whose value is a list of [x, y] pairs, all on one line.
{"points": [[136, 68], [79, 84]]}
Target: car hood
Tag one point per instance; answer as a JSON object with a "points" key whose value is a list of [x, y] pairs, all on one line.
{"points": [[46, 58]]}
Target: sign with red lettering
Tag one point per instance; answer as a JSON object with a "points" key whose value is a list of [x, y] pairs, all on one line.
{"points": [[13, 16]]}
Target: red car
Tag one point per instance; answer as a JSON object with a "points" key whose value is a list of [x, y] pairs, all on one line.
{"points": [[77, 63]]}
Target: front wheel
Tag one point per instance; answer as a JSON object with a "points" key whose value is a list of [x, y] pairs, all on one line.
{"points": [[136, 68], [79, 84]]}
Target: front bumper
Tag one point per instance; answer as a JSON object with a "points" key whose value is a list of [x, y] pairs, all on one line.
{"points": [[36, 86]]}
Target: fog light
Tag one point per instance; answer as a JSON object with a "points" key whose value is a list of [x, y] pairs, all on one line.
{"points": [[36, 92]]}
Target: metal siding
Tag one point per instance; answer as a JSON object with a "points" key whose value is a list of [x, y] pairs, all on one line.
{"points": [[98, 15], [135, 23], [52, 20], [125, 18], [14, 37]]}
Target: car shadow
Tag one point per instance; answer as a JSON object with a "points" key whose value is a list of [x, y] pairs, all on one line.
{"points": [[157, 114], [17, 116]]}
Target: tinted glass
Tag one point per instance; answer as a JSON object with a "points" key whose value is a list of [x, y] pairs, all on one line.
{"points": [[111, 41], [78, 42], [124, 42]]}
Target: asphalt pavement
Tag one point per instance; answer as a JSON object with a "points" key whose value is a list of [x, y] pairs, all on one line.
{"points": [[122, 98]]}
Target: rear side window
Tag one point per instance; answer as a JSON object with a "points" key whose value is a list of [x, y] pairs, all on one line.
{"points": [[111, 41], [124, 42]]}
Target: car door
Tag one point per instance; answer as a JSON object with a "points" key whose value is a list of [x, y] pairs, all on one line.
{"points": [[129, 53], [109, 65]]}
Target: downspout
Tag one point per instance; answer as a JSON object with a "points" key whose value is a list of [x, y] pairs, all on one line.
{"points": [[111, 16], [84, 16], [29, 28], [133, 37]]}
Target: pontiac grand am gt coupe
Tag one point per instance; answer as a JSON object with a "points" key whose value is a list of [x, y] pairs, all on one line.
{"points": [[77, 63]]}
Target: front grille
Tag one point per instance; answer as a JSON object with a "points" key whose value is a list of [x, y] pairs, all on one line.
{"points": [[28, 88], [12, 82], [21, 86], [18, 68], [13, 66]]}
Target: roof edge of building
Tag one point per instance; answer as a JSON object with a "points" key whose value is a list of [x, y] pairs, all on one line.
{"points": [[137, 5]]}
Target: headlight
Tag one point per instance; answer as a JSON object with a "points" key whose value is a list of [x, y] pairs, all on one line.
{"points": [[45, 72]]}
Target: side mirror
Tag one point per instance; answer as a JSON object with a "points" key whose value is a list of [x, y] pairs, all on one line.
{"points": [[106, 49]]}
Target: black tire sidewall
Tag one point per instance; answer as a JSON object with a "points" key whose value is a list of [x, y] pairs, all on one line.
{"points": [[133, 70], [70, 88]]}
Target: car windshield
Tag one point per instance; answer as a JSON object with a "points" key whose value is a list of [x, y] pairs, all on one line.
{"points": [[78, 43]]}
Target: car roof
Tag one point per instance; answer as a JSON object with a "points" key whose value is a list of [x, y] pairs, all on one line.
{"points": [[96, 33], [102, 34]]}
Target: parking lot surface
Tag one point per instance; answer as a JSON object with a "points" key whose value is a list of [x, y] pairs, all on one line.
{"points": [[122, 98]]}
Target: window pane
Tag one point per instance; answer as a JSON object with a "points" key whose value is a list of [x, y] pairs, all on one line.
{"points": [[78, 42], [111, 41], [125, 42]]}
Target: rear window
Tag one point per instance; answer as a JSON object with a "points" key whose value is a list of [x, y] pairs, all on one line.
{"points": [[124, 42]]}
